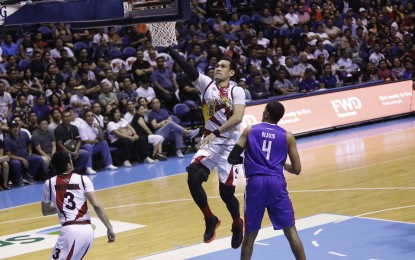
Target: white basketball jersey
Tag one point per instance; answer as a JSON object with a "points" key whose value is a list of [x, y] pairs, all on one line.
{"points": [[67, 193]]}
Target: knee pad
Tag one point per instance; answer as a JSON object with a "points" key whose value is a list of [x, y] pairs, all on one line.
{"points": [[197, 173], [226, 192]]}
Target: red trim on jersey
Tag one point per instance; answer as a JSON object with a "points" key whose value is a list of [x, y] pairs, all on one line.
{"points": [[71, 252], [60, 194], [82, 211], [198, 159], [229, 180], [215, 120]]}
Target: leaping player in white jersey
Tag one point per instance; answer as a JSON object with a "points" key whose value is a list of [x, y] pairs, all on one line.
{"points": [[223, 106], [67, 194]]}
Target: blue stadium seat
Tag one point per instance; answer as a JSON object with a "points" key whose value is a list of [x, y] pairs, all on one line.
{"points": [[24, 64], [245, 19], [182, 111], [114, 53], [285, 32], [129, 51], [80, 45]]}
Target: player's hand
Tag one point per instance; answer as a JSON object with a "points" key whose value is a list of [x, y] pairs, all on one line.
{"points": [[207, 140], [110, 235]]}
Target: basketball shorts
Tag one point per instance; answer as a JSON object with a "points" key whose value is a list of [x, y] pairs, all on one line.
{"points": [[267, 192], [73, 242], [217, 156]]}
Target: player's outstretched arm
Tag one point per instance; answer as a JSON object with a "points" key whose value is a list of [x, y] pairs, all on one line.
{"points": [[187, 68], [101, 215], [295, 166]]}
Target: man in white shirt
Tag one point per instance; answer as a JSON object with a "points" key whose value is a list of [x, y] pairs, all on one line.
{"points": [[56, 52], [6, 102], [145, 90], [292, 17], [101, 34], [93, 141]]}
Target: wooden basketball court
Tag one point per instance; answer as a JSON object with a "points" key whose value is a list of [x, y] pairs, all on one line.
{"points": [[366, 172]]}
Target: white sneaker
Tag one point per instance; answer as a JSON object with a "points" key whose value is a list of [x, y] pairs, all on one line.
{"points": [[127, 163], [193, 133], [89, 170], [111, 167], [179, 153]]}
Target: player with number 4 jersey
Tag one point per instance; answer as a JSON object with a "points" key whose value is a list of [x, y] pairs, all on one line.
{"points": [[266, 146], [67, 194]]}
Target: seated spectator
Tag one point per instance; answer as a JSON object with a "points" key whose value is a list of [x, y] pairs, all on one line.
{"points": [[24, 165], [385, 74], [111, 79], [349, 72], [32, 121], [163, 125], [121, 136], [63, 31], [114, 40], [145, 89], [22, 110], [4, 161], [34, 84], [93, 142], [55, 102], [307, 84], [107, 97], [140, 67], [328, 80], [68, 140], [55, 119], [282, 86], [397, 69], [79, 102], [59, 45], [370, 73], [6, 102], [44, 144], [242, 84], [164, 84], [41, 109], [127, 93], [409, 69], [130, 111], [98, 117], [294, 71], [258, 89]]}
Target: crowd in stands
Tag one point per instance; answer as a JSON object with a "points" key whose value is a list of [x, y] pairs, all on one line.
{"points": [[108, 91]]}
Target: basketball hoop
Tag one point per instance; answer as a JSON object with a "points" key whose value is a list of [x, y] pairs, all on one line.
{"points": [[163, 33]]}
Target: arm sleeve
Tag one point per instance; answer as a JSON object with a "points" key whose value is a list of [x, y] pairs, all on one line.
{"points": [[191, 71]]}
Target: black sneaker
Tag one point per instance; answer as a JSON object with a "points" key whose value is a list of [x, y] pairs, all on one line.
{"points": [[28, 179], [237, 235], [160, 157], [211, 225]]}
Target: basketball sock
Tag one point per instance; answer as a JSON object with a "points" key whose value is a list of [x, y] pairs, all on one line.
{"points": [[206, 212], [237, 222]]}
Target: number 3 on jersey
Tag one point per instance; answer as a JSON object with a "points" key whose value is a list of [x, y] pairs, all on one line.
{"points": [[266, 147], [71, 203]]}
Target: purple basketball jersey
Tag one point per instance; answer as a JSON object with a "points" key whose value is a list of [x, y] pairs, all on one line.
{"points": [[267, 150]]}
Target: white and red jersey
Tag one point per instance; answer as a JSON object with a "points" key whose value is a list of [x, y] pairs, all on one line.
{"points": [[67, 193], [217, 107]]}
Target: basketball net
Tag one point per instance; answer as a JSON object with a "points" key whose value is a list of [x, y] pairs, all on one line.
{"points": [[163, 33]]}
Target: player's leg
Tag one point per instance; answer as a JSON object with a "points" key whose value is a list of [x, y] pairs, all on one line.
{"points": [[254, 213], [281, 213], [198, 172], [73, 242], [295, 242], [248, 245], [227, 175]]}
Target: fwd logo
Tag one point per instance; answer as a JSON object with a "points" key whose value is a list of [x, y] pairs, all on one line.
{"points": [[346, 106]]}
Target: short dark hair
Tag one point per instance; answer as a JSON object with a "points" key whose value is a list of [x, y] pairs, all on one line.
{"points": [[232, 64], [276, 110], [60, 161]]}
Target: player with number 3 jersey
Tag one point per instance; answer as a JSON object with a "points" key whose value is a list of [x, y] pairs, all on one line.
{"points": [[67, 194]]}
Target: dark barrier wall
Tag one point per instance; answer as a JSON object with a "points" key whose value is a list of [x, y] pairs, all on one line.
{"points": [[324, 111]]}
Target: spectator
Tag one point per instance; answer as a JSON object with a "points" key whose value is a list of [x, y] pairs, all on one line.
{"points": [[127, 93], [242, 84], [370, 74], [114, 40], [140, 67], [63, 31], [328, 79], [6, 102], [258, 89], [377, 54], [44, 144], [93, 142], [145, 89], [55, 102], [100, 35], [4, 161], [79, 102], [32, 121], [59, 45], [349, 72], [188, 91], [24, 165], [282, 86], [163, 125], [121, 136], [22, 110], [409, 69], [68, 140], [307, 84], [164, 83], [295, 73], [107, 97], [385, 74], [98, 117], [26, 47], [9, 47], [397, 69], [130, 111], [56, 119]]}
